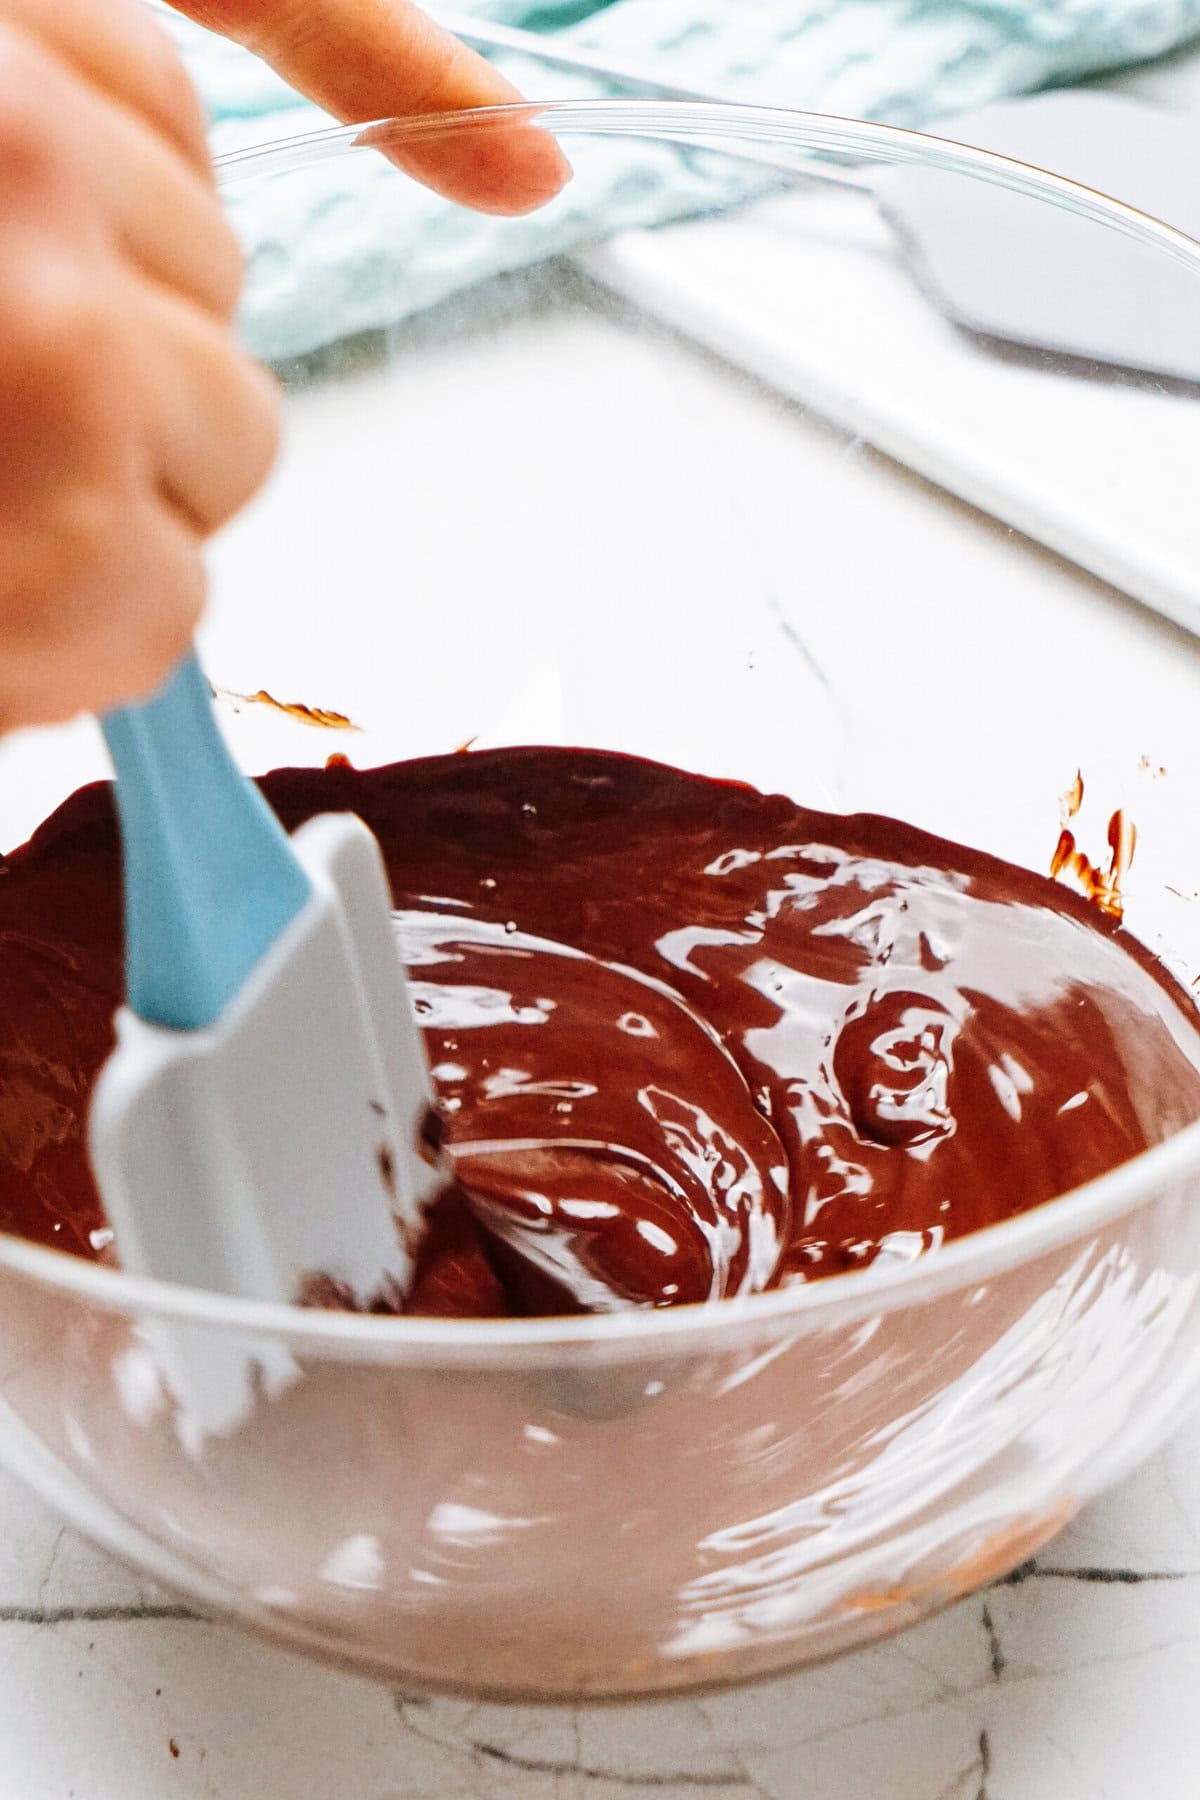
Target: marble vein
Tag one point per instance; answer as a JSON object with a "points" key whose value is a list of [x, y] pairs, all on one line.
{"points": [[95, 1615], [971, 1781], [51, 1561], [1035, 1571], [729, 1778], [996, 1658]]}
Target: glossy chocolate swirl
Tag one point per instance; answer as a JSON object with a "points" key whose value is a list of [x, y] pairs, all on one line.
{"points": [[687, 1040]]}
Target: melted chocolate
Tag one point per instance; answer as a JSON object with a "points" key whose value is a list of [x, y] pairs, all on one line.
{"points": [[688, 1040]]}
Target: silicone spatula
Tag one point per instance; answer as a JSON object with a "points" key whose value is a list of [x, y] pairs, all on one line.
{"points": [[258, 1123], [1006, 266]]}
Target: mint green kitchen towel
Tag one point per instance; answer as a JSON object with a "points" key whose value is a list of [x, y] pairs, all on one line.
{"points": [[345, 248]]}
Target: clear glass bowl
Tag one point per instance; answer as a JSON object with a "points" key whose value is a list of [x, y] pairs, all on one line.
{"points": [[659, 494]]}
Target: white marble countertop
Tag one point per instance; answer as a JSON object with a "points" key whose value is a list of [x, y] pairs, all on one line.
{"points": [[1073, 1679]]}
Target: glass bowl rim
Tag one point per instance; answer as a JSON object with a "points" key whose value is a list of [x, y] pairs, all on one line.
{"points": [[723, 126], [973, 1259]]}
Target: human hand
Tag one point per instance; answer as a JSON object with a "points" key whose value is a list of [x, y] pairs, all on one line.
{"points": [[379, 59], [131, 425]]}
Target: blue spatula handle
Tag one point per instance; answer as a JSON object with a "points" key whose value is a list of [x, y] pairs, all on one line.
{"points": [[210, 877]]}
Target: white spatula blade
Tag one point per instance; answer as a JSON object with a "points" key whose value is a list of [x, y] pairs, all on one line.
{"points": [[281, 1143]]}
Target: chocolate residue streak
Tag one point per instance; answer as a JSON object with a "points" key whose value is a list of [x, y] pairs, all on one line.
{"points": [[1122, 842], [387, 1169], [686, 1040], [1072, 800], [1101, 886], [295, 709]]}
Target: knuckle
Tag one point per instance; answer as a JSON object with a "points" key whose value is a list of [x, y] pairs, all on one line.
{"points": [[116, 607], [252, 419], [265, 417], [208, 269], [175, 94], [55, 363], [50, 573], [292, 29], [161, 61], [226, 263], [68, 328], [29, 138], [86, 525]]}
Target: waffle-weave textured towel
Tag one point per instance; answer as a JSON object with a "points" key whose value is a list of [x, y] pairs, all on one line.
{"points": [[344, 248]]}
